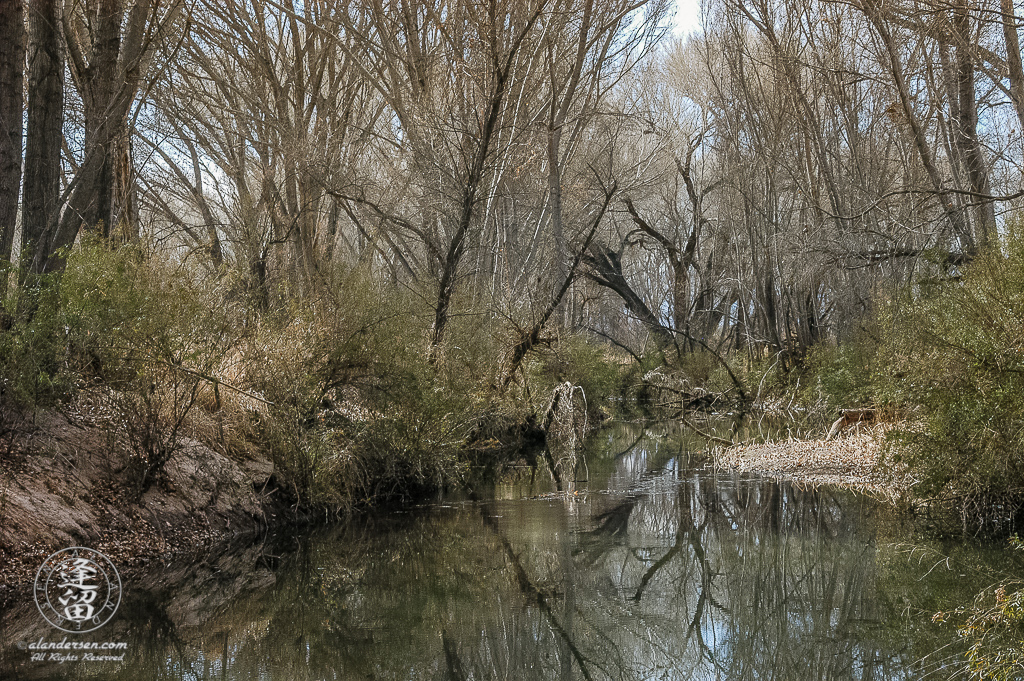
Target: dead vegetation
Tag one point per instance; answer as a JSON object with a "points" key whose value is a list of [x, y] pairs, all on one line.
{"points": [[851, 460]]}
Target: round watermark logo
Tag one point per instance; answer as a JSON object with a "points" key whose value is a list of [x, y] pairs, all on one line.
{"points": [[77, 590]]}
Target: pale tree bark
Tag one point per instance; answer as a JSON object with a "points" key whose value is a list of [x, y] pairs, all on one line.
{"points": [[265, 92], [582, 44], [808, 115], [563, 93], [952, 212], [966, 122], [500, 35], [528, 339], [194, 186], [1014, 68], [473, 180]]}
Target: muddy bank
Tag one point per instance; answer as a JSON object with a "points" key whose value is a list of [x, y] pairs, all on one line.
{"points": [[66, 480], [63, 483], [850, 460]]}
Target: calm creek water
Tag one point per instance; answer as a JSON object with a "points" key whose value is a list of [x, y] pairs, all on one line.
{"points": [[650, 567]]}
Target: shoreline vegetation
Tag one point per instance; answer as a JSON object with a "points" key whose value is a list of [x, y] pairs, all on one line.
{"points": [[338, 404], [316, 257], [147, 416]]}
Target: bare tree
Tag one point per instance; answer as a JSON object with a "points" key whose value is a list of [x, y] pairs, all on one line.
{"points": [[109, 45], [12, 68], [1014, 68], [45, 120]]}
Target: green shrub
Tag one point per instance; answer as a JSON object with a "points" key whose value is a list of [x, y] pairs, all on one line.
{"points": [[993, 626], [954, 354], [588, 365], [701, 368], [363, 348], [110, 317], [36, 366], [151, 334], [414, 443], [842, 375], [767, 378], [146, 331]]}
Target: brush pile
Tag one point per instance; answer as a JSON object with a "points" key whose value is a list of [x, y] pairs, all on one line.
{"points": [[851, 461]]}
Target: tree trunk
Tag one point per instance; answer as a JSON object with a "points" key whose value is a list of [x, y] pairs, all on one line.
{"points": [[107, 71], [679, 261], [951, 211], [967, 128], [530, 338], [102, 124], [41, 198], [606, 270], [1013, 59], [482, 140], [457, 246], [12, 69]]}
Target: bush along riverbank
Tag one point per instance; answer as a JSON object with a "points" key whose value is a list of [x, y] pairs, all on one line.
{"points": [[944, 359], [140, 401], [146, 411], [143, 411]]}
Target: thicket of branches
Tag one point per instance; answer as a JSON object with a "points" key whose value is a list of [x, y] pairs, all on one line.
{"points": [[755, 186], [523, 171]]}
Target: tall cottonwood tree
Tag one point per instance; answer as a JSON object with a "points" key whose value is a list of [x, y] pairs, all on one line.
{"points": [[260, 127], [45, 121], [814, 153], [1014, 67], [110, 45], [447, 71], [426, 140], [507, 120], [12, 60], [842, 149]]}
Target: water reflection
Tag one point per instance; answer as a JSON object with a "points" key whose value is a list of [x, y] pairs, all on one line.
{"points": [[655, 568]]}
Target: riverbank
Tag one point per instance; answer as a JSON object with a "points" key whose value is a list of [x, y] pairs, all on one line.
{"points": [[64, 482], [849, 460], [69, 477], [412, 589]]}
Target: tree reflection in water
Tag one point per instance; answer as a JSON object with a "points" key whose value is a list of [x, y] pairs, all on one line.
{"points": [[661, 570]]}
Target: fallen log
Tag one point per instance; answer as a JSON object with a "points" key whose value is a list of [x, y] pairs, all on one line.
{"points": [[850, 417]]}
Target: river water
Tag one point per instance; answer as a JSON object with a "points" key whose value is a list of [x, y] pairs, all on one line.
{"points": [[649, 565]]}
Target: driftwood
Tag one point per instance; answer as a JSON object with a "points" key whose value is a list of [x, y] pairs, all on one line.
{"points": [[850, 417], [564, 425]]}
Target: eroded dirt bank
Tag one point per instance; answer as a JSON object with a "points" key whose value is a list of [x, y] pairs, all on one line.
{"points": [[63, 483]]}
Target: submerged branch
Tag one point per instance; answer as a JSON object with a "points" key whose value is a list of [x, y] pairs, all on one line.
{"points": [[707, 436]]}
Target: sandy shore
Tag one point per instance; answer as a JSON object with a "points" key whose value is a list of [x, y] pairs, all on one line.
{"points": [[850, 460]]}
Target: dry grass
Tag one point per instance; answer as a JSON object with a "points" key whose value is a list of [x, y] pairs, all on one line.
{"points": [[851, 460]]}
